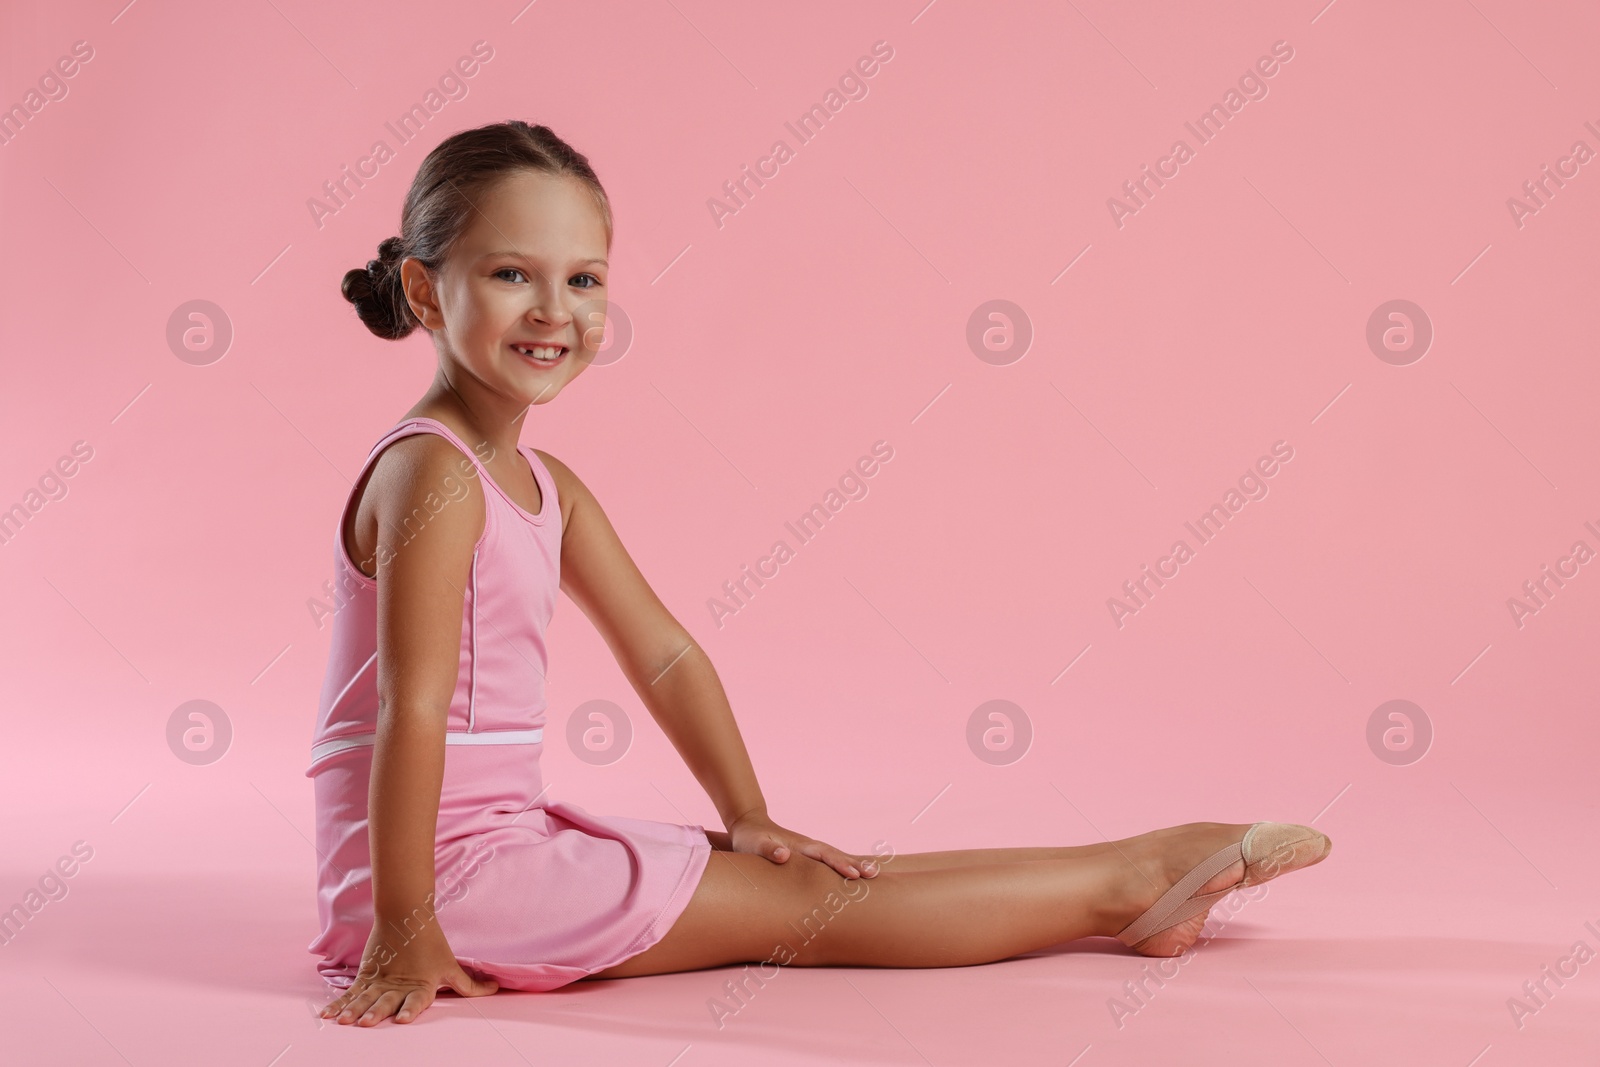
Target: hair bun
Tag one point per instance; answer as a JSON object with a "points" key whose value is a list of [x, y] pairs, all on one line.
{"points": [[357, 284], [376, 293], [391, 250]]}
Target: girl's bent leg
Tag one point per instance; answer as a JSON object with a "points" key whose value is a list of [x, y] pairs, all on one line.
{"points": [[747, 909]]}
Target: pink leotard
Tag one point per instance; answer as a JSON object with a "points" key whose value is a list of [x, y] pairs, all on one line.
{"points": [[532, 892]]}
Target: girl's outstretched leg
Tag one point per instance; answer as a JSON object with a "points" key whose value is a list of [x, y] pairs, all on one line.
{"points": [[968, 857], [961, 857], [747, 909]]}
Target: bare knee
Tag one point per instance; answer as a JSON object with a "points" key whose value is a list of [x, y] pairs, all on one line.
{"points": [[787, 913], [826, 916], [748, 909]]}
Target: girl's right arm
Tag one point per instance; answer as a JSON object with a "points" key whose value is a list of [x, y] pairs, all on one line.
{"points": [[424, 562]]}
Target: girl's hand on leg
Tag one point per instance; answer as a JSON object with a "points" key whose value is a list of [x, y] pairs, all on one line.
{"points": [[402, 981], [757, 834]]}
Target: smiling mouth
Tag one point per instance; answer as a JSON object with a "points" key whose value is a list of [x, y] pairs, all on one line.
{"points": [[541, 355]]}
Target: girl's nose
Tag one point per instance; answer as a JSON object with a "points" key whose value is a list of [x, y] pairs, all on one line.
{"points": [[550, 309]]}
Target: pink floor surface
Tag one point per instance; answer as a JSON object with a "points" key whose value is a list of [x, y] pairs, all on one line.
{"points": [[1408, 945]]}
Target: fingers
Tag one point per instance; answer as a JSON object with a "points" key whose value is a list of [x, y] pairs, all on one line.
{"points": [[853, 866], [381, 1008], [368, 1003], [415, 1004], [845, 864], [338, 1005], [842, 863], [356, 1000]]}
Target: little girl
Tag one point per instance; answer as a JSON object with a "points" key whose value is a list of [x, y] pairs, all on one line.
{"points": [[442, 865]]}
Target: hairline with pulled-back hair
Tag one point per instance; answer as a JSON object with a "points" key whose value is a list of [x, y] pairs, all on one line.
{"points": [[440, 204]]}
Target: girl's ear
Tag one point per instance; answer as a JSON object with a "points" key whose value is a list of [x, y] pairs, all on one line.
{"points": [[417, 283]]}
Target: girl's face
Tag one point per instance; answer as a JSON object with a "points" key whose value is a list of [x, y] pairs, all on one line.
{"points": [[529, 272]]}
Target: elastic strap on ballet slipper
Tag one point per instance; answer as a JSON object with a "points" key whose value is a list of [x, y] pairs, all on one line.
{"points": [[1176, 904]]}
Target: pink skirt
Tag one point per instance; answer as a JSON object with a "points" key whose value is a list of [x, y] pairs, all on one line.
{"points": [[533, 897]]}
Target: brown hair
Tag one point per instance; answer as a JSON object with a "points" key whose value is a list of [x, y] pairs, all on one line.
{"points": [[439, 207]]}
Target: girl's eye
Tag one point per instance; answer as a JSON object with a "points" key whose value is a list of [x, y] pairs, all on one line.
{"points": [[514, 270]]}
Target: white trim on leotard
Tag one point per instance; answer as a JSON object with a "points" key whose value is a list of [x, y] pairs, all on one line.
{"points": [[451, 737]]}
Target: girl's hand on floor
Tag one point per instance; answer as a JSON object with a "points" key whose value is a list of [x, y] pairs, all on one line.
{"points": [[759, 835], [401, 980]]}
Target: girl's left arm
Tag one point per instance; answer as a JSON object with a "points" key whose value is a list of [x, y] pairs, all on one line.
{"points": [[672, 675]]}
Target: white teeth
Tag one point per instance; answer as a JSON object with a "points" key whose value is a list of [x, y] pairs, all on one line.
{"points": [[544, 353]]}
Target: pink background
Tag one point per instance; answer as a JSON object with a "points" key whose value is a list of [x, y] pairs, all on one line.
{"points": [[769, 354]]}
